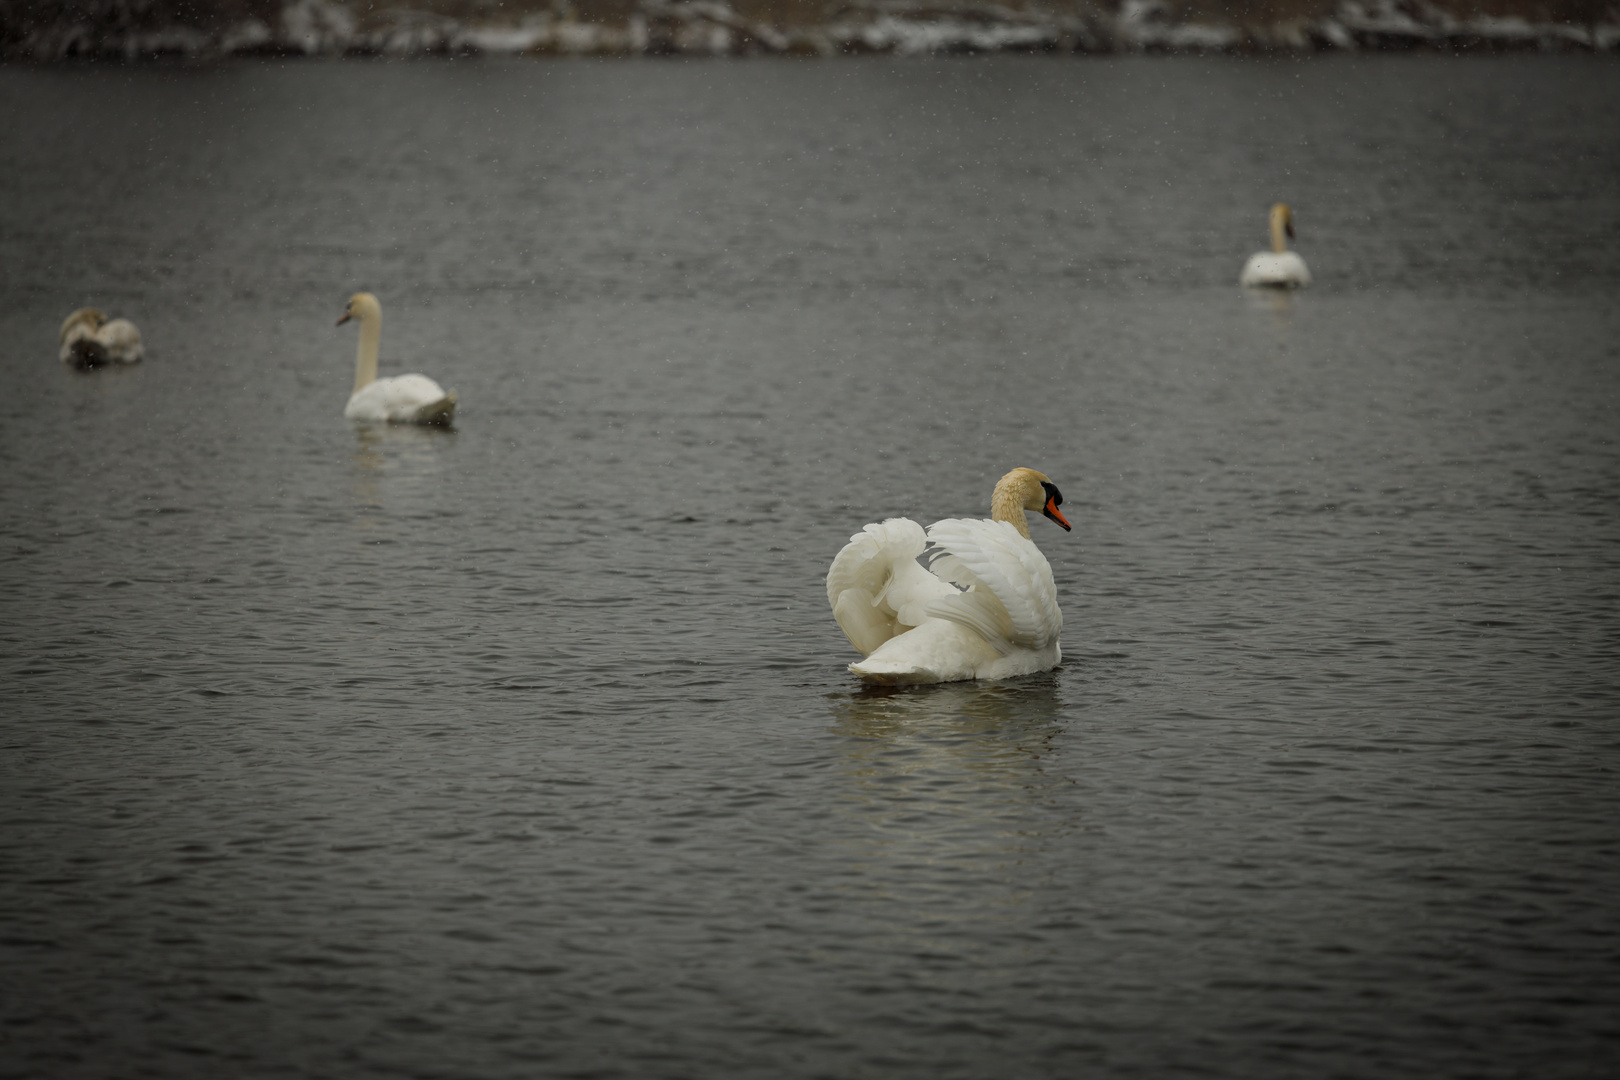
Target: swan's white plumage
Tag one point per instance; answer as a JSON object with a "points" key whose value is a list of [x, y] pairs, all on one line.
{"points": [[985, 608], [123, 342], [1278, 269], [1011, 599], [402, 399], [876, 586]]}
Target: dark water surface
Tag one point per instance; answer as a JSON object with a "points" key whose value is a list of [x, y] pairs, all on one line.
{"points": [[528, 749]]}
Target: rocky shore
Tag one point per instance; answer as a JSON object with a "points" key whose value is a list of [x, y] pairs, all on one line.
{"points": [[32, 30]]}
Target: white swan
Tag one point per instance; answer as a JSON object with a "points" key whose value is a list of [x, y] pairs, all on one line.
{"points": [[89, 340], [1279, 267], [402, 399], [914, 625]]}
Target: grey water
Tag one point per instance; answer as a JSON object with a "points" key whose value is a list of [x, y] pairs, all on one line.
{"points": [[528, 748]]}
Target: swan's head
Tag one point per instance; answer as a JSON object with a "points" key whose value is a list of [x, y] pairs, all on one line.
{"points": [[1033, 492], [89, 317], [362, 306]]}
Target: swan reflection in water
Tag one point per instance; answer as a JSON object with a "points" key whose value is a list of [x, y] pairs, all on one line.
{"points": [[1276, 307], [953, 803], [406, 456], [1278, 302], [980, 749], [990, 709]]}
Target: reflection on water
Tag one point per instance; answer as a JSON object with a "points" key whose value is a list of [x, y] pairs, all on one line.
{"points": [[888, 713], [962, 749], [949, 796], [1278, 302], [402, 455]]}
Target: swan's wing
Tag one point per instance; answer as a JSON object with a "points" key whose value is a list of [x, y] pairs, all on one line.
{"points": [[401, 399], [1011, 599], [410, 392], [876, 586], [122, 341]]}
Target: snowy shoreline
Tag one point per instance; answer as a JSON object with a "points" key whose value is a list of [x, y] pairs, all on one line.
{"points": [[118, 30]]}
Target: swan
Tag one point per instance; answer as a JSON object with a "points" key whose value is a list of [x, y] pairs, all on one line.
{"points": [[985, 608], [89, 340], [1278, 267], [402, 399]]}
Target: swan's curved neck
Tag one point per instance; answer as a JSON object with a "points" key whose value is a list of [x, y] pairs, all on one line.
{"points": [[1279, 234], [1007, 504], [365, 362]]}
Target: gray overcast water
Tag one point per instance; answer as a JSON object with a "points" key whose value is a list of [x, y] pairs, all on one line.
{"points": [[528, 749]]}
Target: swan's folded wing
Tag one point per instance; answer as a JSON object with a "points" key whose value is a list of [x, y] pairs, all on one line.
{"points": [[1011, 600], [407, 393], [876, 586], [400, 399]]}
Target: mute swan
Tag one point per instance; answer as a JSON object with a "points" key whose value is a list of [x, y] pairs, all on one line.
{"points": [[1278, 267], [402, 399], [914, 626], [90, 341]]}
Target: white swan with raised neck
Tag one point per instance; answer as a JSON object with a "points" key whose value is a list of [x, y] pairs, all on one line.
{"points": [[985, 606], [400, 399], [1278, 268]]}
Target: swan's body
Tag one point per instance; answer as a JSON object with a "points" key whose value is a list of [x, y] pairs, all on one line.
{"points": [[402, 399], [90, 340], [986, 608], [1278, 268]]}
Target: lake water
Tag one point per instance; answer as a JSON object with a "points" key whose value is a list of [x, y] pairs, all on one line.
{"points": [[528, 749]]}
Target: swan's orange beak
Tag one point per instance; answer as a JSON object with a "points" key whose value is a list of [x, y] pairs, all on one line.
{"points": [[346, 318], [1055, 514], [1288, 227]]}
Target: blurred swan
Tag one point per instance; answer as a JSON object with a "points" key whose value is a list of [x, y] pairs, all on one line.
{"points": [[1278, 267], [89, 340], [914, 625], [402, 399]]}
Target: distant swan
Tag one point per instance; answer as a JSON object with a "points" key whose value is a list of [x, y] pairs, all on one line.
{"points": [[1278, 267], [90, 341], [914, 626], [402, 399]]}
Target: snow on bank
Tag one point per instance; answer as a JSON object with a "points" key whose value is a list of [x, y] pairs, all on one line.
{"points": [[713, 28]]}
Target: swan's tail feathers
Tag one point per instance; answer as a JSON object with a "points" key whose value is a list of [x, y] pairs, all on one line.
{"points": [[439, 413], [892, 673]]}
